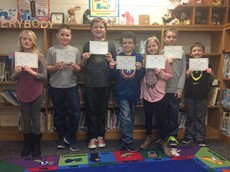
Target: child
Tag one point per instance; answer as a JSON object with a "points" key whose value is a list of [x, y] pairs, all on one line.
{"points": [[174, 87], [63, 87], [127, 90], [97, 84], [29, 91], [196, 95], [154, 97]]}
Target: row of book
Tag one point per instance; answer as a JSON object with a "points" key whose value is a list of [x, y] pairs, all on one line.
{"points": [[5, 69]]}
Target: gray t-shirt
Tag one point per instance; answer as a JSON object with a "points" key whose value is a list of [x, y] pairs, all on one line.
{"points": [[65, 78]]}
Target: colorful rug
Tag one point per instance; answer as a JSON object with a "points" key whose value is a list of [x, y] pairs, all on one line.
{"points": [[189, 159]]}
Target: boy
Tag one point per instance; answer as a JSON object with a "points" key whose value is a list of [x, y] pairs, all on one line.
{"points": [[174, 87], [127, 90], [196, 94], [63, 87]]}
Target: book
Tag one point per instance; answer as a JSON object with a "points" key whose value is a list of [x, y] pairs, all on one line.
{"points": [[226, 98], [10, 97], [213, 95]]}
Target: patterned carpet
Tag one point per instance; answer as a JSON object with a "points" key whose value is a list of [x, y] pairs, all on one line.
{"points": [[186, 158]]}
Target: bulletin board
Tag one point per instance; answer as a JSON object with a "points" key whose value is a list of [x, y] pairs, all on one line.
{"points": [[33, 10]]}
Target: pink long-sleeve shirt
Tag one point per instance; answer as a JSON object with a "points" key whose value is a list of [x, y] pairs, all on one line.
{"points": [[154, 83]]}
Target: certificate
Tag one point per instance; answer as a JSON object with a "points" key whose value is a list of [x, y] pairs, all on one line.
{"points": [[26, 59], [65, 56], [98, 47], [126, 62], [155, 61], [173, 51], [198, 64]]}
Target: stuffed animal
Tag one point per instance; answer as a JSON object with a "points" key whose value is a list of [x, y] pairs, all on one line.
{"points": [[71, 11], [167, 18], [216, 19], [86, 19], [199, 18], [216, 2], [129, 18]]}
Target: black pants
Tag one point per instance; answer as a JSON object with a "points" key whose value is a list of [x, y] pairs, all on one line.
{"points": [[160, 110], [96, 101], [195, 123]]}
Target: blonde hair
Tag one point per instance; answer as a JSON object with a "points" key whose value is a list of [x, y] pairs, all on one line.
{"points": [[33, 38], [173, 30], [153, 39]]}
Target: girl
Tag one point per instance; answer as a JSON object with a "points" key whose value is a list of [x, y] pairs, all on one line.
{"points": [[29, 91], [154, 96]]}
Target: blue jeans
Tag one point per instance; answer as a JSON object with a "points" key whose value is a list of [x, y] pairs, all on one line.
{"points": [[66, 103], [173, 111], [126, 119]]}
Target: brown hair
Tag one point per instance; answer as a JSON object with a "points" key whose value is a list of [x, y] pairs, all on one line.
{"points": [[97, 20], [173, 30], [197, 44], [128, 34], [63, 26]]}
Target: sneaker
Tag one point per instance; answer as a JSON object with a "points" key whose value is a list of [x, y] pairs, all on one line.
{"points": [[172, 141], [60, 144], [201, 143], [186, 141], [100, 142], [131, 147], [66, 141], [92, 143], [74, 147]]}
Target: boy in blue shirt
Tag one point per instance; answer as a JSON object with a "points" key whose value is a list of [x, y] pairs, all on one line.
{"points": [[127, 90]]}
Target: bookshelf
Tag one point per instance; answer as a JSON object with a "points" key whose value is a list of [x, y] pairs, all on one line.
{"points": [[212, 36]]}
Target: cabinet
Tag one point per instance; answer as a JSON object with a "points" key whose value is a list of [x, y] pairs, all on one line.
{"points": [[212, 36], [205, 13]]}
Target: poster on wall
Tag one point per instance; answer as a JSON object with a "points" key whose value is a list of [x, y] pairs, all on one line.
{"points": [[104, 8], [33, 10]]}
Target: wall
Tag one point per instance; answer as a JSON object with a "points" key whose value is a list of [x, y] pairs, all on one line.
{"points": [[156, 9]]}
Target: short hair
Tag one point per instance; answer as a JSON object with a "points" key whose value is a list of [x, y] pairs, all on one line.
{"points": [[128, 34], [97, 20], [197, 44], [63, 26], [173, 30]]}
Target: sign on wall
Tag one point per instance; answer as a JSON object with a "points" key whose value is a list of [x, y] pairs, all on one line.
{"points": [[104, 8]]}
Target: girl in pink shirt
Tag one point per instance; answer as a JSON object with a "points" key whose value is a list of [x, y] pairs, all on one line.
{"points": [[154, 97]]}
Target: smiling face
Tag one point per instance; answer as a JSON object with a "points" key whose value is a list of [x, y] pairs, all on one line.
{"points": [[128, 45], [197, 52], [152, 47], [98, 30], [64, 37]]}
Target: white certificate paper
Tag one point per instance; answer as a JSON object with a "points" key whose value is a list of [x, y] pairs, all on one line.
{"points": [[126, 62], [155, 61], [173, 51], [26, 59], [98, 47], [65, 56], [198, 64]]}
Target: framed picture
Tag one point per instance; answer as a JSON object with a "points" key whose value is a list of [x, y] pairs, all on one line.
{"points": [[57, 18]]}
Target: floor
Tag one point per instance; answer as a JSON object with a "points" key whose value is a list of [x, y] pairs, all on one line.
{"points": [[12, 149]]}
